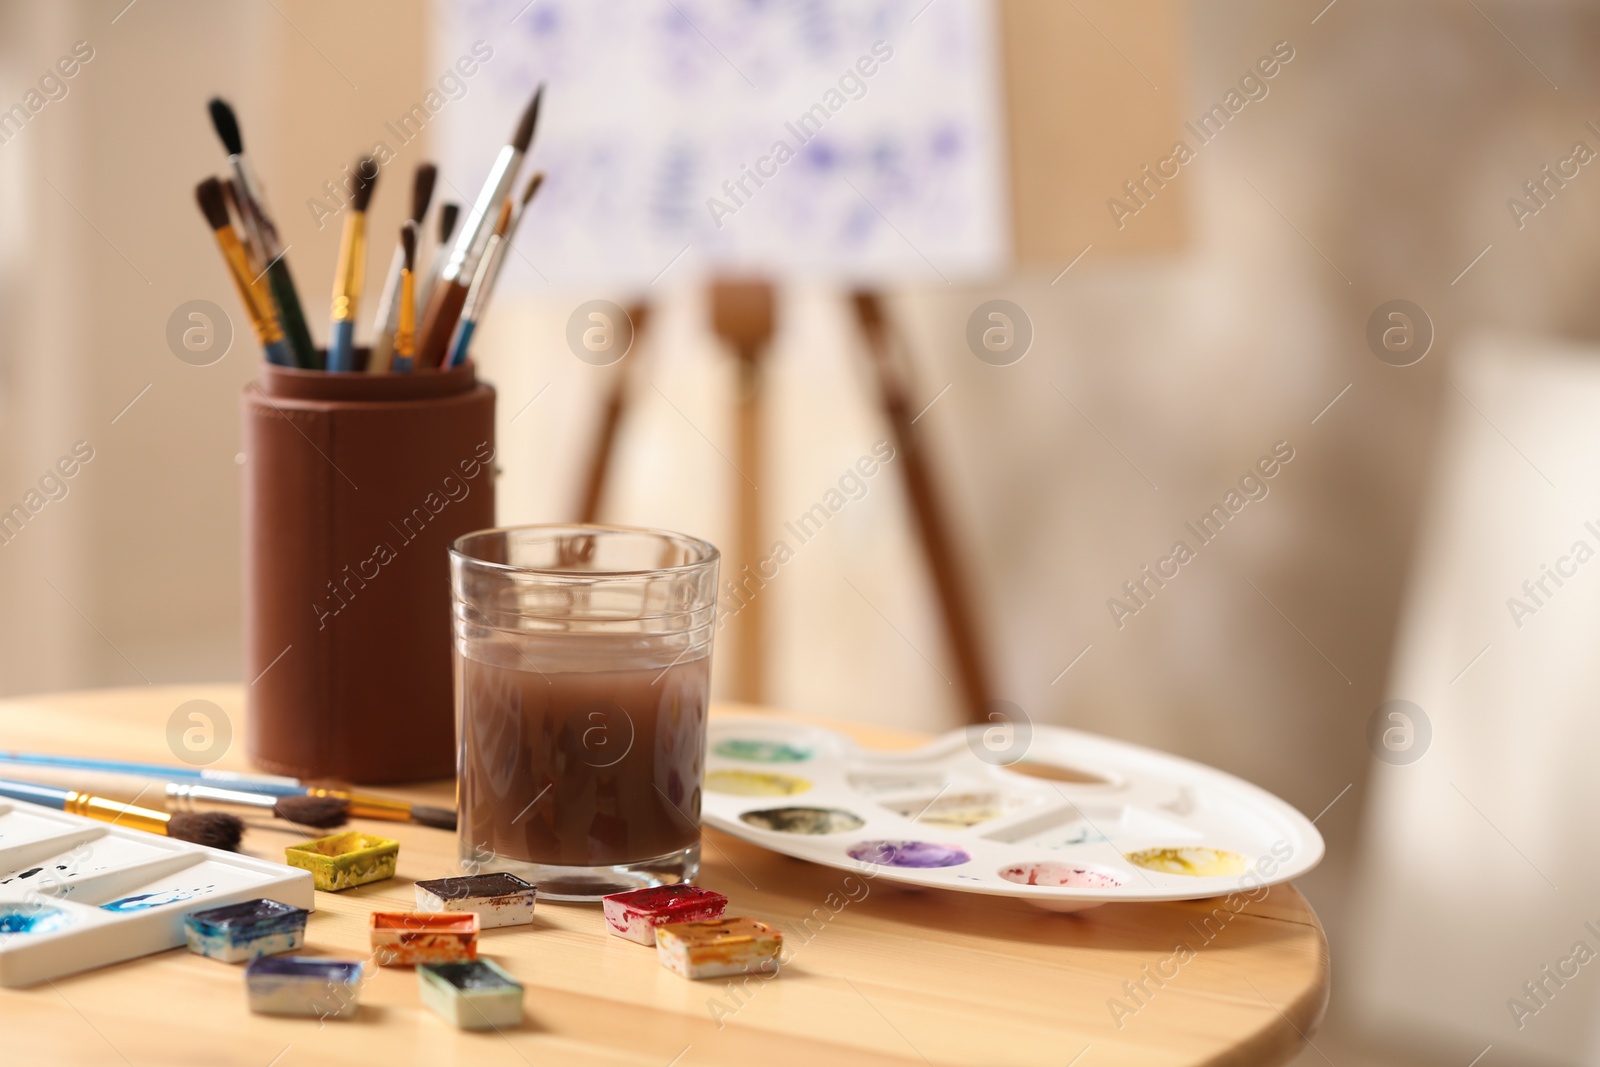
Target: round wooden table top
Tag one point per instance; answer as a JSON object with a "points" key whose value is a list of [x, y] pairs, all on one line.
{"points": [[886, 976]]}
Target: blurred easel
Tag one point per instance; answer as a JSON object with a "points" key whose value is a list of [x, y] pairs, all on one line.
{"points": [[742, 316]]}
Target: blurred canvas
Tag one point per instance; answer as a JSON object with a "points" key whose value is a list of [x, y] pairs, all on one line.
{"points": [[859, 141]]}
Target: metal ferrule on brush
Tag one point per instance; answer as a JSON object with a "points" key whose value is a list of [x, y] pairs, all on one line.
{"points": [[387, 320], [202, 798], [475, 231], [252, 293], [260, 233], [352, 267], [111, 811]]}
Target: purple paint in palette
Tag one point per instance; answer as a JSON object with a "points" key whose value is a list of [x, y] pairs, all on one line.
{"points": [[923, 854]]}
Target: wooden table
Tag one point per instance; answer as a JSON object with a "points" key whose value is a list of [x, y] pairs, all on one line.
{"points": [[895, 977]]}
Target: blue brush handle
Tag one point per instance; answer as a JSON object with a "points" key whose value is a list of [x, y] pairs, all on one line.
{"points": [[47, 796], [400, 365], [278, 354], [267, 786], [458, 351], [342, 347]]}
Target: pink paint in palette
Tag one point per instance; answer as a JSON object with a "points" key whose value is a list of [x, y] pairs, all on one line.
{"points": [[636, 913]]}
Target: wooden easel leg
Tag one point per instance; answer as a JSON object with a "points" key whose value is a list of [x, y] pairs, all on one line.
{"points": [[944, 561], [742, 316]]}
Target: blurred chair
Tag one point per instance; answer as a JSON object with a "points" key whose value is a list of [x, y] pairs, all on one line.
{"points": [[1480, 869]]}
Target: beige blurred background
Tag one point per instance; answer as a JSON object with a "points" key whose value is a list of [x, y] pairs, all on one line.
{"points": [[1378, 168]]}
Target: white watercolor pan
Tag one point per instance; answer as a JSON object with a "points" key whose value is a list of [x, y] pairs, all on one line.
{"points": [[76, 894], [1077, 821]]}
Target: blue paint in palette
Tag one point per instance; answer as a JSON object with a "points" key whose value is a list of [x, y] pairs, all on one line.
{"points": [[141, 901], [32, 919]]}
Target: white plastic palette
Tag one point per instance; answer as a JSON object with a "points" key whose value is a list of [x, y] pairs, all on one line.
{"points": [[1067, 815], [76, 894]]}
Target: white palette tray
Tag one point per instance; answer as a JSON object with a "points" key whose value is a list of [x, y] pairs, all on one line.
{"points": [[76, 894], [1074, 814]]}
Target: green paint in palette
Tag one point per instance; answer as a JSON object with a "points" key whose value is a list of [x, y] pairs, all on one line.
{"points": [[761, 751]]}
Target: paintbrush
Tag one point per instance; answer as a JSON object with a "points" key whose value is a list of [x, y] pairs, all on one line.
{"points": [[494, 257], [405, 332], [266, 248], [230, 198], [362, 805], [444, 304], [319, 812], [253, 294], [448, 214], [475, 293], [351, 272], [213, 829], [389, 300]]}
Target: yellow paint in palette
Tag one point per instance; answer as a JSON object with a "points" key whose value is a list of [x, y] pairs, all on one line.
{"points": [[1195, 862], [755, 784]]}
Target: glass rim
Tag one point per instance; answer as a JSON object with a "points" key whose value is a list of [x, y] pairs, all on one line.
{"points": [[709, 553]]}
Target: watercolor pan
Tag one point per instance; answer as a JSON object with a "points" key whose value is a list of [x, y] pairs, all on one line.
{"points": [[236, 933], [497, 899], [346, 860], [718, 948], [472, 994], [636, 913], [303, 985], [1067, 821], [407, 938], [77, 894]]}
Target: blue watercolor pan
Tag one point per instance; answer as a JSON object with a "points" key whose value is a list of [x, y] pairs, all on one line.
{"points": [[303, 985], [238, 932]]}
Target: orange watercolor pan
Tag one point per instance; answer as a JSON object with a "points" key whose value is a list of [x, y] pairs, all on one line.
{"points": [[406, 938]]}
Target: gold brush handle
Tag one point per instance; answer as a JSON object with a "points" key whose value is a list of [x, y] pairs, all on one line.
{"points": [[111, 811]]}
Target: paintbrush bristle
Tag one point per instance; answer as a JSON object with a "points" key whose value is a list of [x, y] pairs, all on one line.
{"points": [[366, 182], [448, 214], [323, 813], [227, 125], [213, 203], [533, 186], [408, 244], [530, 118], [214, 829], [438, 818], [422, 190]]}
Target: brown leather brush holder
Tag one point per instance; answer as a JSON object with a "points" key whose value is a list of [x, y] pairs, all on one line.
{"points": [[354, 487]]}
